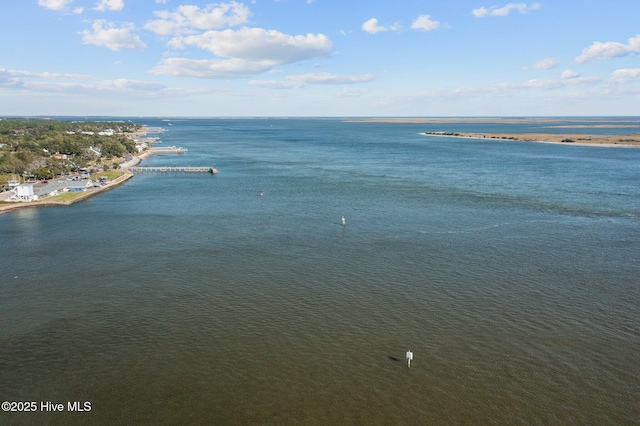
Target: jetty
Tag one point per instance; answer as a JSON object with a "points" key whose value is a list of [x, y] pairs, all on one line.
{"points": [[183, 169]]}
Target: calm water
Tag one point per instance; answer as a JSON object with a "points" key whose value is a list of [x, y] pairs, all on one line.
{"points": [[510, 269]]}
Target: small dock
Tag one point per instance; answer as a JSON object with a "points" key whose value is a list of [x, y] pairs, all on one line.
{"points": [[184, 169]]}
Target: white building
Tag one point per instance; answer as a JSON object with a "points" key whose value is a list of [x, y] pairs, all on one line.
{"points": [[24, 192], [141, 146]]}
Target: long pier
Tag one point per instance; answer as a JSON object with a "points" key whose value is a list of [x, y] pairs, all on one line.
{"points": [[187, 169], [168, 149]]}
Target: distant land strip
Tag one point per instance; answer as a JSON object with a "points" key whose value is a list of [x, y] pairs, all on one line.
{"points": [[568, 139], [611, 122], [627, 140]]}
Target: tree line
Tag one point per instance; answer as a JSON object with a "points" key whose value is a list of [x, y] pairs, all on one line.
{"points": [[27, 145]]}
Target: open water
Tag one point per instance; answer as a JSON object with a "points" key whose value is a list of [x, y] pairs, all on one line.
{"points": [[510, 269]]}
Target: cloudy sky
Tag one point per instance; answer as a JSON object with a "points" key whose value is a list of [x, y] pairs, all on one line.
{"points": [[319, 58]]}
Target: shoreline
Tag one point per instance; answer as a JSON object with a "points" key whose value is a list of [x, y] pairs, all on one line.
{"points": [[126, 175], [583, 139], [44, 203], [604, 141]]}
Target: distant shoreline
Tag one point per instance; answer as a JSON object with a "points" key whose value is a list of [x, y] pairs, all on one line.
{"points": [[618, 141], [586, 139], [585, 121]]}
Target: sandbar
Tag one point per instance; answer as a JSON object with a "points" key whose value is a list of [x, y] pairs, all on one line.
{"points": [[582, 139], [632, 141]]}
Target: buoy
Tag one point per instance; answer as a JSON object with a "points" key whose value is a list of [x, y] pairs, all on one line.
{"points": [[344, 222]]}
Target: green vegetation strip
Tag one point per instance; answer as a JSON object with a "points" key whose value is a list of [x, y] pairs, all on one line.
{"points": [[109, 174], [65, 196]]}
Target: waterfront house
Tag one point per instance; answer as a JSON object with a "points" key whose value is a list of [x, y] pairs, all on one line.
{"points": [[141, 146]]}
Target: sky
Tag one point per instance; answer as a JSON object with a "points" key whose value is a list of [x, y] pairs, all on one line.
{"points": [[327, 58]]}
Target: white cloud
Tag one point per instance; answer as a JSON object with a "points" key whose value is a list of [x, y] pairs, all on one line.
{"points": [[625, 75], [548, 91], [327, 78], [161, 1], [116, 87], [78, 10], [504, 10], [534, 85], [105, 5], [208, 68], [273, 84], [15, 73], [123, 84], [11, 83], [302, 80], [108, 35], [609, 50], [372, 27], [544, 64], [582, 80], [549, 84], [239, 53], [54, 4], [425, 23], [187, 18], [257, 44], [54, 82], [25, 79], [568, 74]]}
